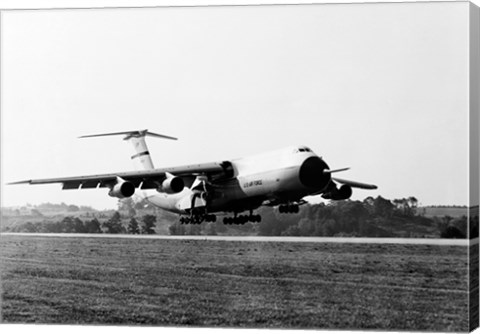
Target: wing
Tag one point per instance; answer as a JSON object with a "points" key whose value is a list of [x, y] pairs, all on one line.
{"points": [[355, 184], [149, 179]]}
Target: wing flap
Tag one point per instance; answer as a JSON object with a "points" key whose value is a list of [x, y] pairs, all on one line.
{"points": [[90, 184], [149, 184], [71, 185]]}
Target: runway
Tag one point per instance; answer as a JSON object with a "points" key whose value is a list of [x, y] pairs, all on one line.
{"points": [[400, 241]]}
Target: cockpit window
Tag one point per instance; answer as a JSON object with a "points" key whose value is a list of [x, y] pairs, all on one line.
{"points": [[302, 149]]}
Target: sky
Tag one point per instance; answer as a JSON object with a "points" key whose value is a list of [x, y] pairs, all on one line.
{"points": [[380, 88]]}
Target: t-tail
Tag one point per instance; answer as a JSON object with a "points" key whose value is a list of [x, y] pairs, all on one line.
{"points": [[141, 156]]}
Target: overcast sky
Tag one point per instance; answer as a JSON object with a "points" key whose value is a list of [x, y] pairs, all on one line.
{"points": [[380, 88]]}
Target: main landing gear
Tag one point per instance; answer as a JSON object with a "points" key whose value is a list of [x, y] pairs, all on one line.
{"points": [[198, 219], [289, 208], [236, 220], [240, 220]]}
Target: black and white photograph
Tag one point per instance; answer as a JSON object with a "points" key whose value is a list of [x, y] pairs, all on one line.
{"points": [[247, 165]]}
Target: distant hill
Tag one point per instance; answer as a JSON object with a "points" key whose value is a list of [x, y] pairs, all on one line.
{"points": [[47, 212], [442, 211], [17, 218]]}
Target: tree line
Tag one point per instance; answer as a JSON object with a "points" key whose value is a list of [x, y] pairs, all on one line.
{"points": [[113, 225], [372, 217]]}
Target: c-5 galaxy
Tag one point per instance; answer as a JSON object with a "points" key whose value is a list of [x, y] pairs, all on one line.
{"points": [[198, 192]]}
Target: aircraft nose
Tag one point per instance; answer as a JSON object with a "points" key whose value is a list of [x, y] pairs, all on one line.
{"points": [[311, 173]]}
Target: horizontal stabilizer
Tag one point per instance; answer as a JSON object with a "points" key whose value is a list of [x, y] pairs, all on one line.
{"points": [[355, 184], [130, 134]]}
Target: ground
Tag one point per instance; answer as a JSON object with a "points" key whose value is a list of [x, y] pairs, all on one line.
{"points": [[234, 283]]}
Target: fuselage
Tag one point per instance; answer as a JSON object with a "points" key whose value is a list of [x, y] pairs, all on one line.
{"points": [[278, 176]]}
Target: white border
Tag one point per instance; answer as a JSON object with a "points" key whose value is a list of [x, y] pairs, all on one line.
{"points": [[73, 4]]}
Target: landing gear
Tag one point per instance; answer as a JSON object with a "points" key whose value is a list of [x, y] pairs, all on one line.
{"points": [[210, 218], [198, 219], [289, 208], [240, 220]]}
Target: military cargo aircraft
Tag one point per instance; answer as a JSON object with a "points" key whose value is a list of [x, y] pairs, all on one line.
{"points": [[198, 192]]}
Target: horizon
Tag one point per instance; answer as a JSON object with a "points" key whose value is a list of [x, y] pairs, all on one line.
{"points": [[28, 205]]}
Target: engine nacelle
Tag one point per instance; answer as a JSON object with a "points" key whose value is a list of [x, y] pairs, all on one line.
{"points": [[337, 194], [172, 184], [122, 189]]}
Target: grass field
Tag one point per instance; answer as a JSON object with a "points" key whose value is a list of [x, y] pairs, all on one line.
{"points": [[234, 284]]}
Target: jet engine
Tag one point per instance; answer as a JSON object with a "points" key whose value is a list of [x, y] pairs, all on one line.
{"points": [[122, 189], [337, 194], [312, 173], [172, 184]]}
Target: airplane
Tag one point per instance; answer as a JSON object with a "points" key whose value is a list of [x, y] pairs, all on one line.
{"points": [[198, 192]]}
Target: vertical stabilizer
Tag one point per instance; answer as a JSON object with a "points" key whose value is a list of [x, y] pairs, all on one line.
{"points": [[141, 156]]}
